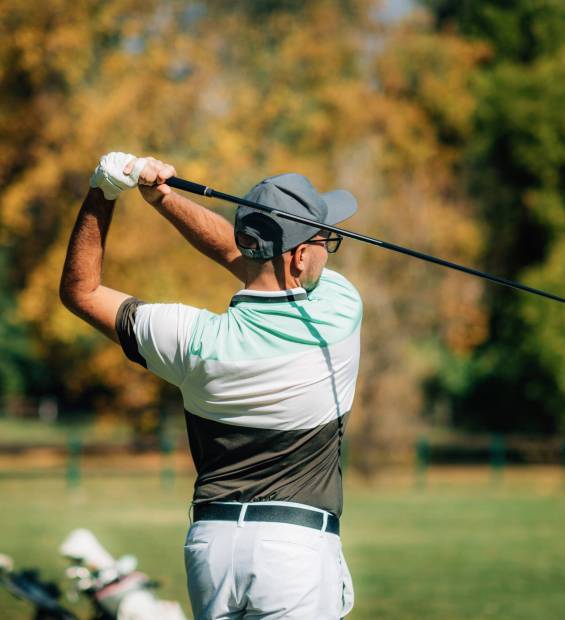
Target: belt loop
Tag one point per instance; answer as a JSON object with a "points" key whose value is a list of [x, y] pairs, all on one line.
{"points": [[324, 523], [242, 515], [191, 513]]}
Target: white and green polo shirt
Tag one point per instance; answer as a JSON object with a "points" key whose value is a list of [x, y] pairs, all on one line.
{"points": [[267, 386]]}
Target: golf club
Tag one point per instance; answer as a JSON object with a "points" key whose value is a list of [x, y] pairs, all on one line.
{"points": [[204, 190]]}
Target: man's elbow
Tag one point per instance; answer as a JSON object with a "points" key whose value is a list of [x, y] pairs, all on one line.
{"points": [[65, 294], [70, 297]]}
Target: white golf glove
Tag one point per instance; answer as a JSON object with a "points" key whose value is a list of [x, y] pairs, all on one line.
{"points": [[109, 174]]}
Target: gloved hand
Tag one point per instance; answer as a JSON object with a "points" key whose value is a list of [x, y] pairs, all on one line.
{"points": [[109, 174]]}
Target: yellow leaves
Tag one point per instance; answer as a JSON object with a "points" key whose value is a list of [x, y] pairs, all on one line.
{"points": [[17, 205], [465, 319], [411, 140], [51, 41], [228, 104], [147, 258], [435, 70], [28, 41], [68, 54], [451, 231]]}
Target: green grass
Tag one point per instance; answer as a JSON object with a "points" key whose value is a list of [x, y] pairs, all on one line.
{"points": [[457, 554], [29, 432], [448, 552]]}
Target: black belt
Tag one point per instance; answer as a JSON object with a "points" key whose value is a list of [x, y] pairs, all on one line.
{"points": [[268, 513]]}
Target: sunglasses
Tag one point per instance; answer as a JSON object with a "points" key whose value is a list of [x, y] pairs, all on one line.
{"points": [[331, 243]]}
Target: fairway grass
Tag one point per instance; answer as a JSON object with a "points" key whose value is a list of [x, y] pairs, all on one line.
{"points": [[456, 551]]}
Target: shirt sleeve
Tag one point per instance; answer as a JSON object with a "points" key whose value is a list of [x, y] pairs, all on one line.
{"points": [[157, 336], [343, 299]]}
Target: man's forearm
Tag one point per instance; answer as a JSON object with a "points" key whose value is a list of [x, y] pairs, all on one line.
{"points": [[207, 231], [81, 287], [82, 272]]}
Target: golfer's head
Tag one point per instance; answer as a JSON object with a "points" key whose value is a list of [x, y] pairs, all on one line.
{"points": [[263, 237], [305, 262]]}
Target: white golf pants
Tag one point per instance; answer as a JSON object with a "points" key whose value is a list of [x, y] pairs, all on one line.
{"points": [[245, 569]]}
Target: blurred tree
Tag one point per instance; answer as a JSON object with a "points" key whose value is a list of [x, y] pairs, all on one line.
{"points": [[16, 356], [517, 31], [406, 165], [515, 165], [320, 87], [74, 79]]}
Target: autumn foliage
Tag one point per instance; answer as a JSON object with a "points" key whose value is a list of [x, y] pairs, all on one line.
{"points": [[231, 93]]}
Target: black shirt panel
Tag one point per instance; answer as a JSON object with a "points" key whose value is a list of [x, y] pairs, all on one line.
{"points": [[242, 464], [125, 322]]}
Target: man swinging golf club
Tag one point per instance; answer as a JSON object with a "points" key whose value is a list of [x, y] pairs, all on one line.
{"points": [[267, 385]]}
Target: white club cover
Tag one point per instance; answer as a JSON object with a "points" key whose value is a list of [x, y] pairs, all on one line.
{"points": [[109, 174], [6, 563], [142, 605], [83, 546]]}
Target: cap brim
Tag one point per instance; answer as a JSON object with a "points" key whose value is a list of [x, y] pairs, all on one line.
{"points": [[341, 205]]}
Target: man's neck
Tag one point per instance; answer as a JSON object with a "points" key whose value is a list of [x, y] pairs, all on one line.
{"points": [[272, 282]]}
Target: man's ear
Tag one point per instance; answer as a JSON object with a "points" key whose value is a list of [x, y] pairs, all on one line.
{"points": [[298, 258]]}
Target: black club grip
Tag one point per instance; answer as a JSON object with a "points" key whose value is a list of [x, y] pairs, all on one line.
{"points": [[188, 186]]}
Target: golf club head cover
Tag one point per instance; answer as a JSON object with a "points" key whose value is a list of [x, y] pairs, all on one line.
{"points": [[109, 174]]}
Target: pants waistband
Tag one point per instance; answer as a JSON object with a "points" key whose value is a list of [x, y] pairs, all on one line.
{"points": [[323, 521]]}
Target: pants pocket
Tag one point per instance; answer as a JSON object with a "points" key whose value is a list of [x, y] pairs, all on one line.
{"points": [[287, 570], [347, 594]]}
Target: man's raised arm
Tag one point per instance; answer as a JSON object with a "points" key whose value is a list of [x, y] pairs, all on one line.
{"points": [[81, 287], [205, 230]]}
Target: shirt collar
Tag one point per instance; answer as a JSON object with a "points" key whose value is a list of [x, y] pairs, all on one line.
{"points": [[269, 297]]}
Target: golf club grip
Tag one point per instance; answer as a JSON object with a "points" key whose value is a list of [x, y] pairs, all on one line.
{"points": [[188, 186]]}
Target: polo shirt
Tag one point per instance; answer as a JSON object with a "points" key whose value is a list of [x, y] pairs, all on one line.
{"points": [[267, 386]]}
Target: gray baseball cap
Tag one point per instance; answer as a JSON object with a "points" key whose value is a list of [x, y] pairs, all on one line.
{"points": [[295, 194]]}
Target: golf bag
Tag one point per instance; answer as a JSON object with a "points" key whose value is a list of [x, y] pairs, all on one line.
{"points": [[115, 589], [27, 585]]}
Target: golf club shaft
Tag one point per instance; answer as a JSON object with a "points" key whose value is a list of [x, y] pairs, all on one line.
{"points": [[204, 190]]}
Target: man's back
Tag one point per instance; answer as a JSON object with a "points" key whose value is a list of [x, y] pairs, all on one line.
{"points": [[266, 386]]}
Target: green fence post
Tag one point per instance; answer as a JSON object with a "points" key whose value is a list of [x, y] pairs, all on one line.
{"points": [[422, 461], [497, 456], [73, 462], [167, 469]]}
